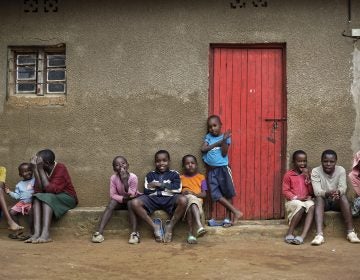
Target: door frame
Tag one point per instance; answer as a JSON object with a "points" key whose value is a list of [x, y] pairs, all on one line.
{"points": [[282, 47]]}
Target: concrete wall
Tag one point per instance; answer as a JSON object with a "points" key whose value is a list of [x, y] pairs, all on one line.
{"points": [[138, 80]]}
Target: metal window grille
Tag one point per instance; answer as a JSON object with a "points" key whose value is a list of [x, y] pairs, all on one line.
{"points": [[37, 71]]}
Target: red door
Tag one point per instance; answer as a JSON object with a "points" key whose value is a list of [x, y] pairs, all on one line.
{"points": [[247, 90]]}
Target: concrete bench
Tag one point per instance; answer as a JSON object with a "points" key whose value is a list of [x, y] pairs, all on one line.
{"points": [[82, 221]]}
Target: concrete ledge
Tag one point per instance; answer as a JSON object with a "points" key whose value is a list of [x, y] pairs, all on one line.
{"points": [[82, 221]]}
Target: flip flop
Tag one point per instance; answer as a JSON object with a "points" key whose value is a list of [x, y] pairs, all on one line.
{"points": [[289, 238], [159, 235], [201, 232], [214, 223], [15, 235], [191, 239], [298, 240], [227, 223], [23, 237]]}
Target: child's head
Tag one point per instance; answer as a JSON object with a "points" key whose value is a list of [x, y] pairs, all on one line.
{"points": [[162, 160], [328, 161], [189, 164], [214, 125], [299, 160], [25, 171], [120, 163]]}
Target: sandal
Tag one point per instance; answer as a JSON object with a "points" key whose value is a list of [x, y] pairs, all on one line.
{"points": [[97, 237], [227, 223], [159, 234], [15, 235], [289, 238], [298, 240], [214, 223], [201, 232], [191, 239]]}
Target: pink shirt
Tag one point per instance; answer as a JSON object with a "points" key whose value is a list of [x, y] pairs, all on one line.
{"points": [[117, 189], [295, 185], [354, 175]]}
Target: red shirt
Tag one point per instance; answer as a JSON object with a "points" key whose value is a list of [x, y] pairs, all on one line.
{"points": [[295, 184], [60, 181]]}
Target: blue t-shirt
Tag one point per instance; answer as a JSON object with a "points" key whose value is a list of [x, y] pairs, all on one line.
{"points": [[214, 156]]}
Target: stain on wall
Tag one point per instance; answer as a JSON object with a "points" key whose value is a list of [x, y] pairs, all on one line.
{"points": [[355, 92]]}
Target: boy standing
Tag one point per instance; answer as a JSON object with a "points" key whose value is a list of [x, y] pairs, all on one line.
{"points": [[162, 192]]}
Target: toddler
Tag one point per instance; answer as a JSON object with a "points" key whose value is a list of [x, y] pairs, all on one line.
{"points": [[23, 192]]}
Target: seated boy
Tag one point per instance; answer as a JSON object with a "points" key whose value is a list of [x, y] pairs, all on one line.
{"points": [[162, 192], [329, 184]]}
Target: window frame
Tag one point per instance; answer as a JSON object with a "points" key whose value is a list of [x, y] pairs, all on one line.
{"points": [[42, 57]]}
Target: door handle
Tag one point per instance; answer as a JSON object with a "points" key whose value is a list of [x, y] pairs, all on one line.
{"points": [[275, 122]]}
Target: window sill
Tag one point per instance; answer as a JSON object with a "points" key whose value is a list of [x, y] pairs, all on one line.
{"points": [[27, 100]]}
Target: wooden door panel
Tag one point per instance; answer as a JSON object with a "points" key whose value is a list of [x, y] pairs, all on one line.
{"points": [[247, 88]]}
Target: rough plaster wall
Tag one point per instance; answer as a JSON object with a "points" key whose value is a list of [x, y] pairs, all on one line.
{"points": [[138, 80], [355, 92]]}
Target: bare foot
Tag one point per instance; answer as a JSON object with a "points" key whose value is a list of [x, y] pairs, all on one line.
{"points": [[236, 217], [43, 240], [158, 233], [168, 233], [32, 239], [14, 226]]}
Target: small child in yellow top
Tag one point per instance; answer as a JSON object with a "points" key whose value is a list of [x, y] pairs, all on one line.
{"points": [[194, 187], [12, 224]]}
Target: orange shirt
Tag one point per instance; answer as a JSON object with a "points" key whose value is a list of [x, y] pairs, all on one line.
{"points": [[195, 184]]}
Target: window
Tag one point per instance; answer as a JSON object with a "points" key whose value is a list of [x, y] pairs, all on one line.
{"points": [[37, 71]]}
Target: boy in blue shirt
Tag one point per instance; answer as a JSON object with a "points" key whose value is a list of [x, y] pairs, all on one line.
{"points": [[215, 155], [162, 192]]}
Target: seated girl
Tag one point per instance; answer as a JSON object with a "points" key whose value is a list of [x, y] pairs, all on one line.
{"points": [[54, 194], [123, 188], [354, 176], [194, 187]]}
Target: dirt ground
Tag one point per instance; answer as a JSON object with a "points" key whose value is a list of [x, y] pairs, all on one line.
{"points": [[215, 257]]}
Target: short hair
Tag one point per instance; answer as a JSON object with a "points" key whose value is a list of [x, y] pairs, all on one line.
{"points": [[115, 158], [296, 153], [162, 152], [214, 117], [22, 165], [328, 152], [47, 155], [186, 156]]}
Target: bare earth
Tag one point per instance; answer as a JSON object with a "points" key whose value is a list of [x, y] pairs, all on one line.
{"points": [[215, 257]]}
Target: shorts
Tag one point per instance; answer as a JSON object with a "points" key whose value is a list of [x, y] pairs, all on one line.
{"points": [[153, 203], [331, 205], [294, 206], [220, 183], [22, 207], [192, 199]]}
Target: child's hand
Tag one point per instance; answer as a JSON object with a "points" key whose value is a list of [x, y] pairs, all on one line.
{"points": [[33, 160], [6, 189], [39, 161], [227, 134], [306, 173], [154, 184], [336, 195], [124, 175]]}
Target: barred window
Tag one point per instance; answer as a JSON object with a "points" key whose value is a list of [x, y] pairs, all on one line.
{"points": [[37, 71]]}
